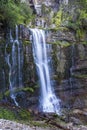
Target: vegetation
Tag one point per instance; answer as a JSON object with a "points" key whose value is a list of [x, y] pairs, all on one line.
{"points": [[14, 12], [25, 89], [61, 43], [45, 10], [15, 114], [73, 17], [6, 114], [24, 116], [80, 76], [57, 19]]}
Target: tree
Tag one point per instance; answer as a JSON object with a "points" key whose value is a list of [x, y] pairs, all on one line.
{"points": [[14, 12]]}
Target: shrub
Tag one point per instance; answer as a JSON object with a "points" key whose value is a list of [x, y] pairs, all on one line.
{"points": [[14, 12]]}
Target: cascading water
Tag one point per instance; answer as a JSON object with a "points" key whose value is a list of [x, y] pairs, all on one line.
{"points": [[14, 60], [48, 102], [66, 2], [20, 58], [72, 65]]}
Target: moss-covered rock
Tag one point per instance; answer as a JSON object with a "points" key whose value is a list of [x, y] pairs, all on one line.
{"points": [[16, 114]]}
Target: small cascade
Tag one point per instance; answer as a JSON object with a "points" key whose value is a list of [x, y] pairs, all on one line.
{"points": [[48, 100], [20, 58], [50, 63], [4, 81], [72, 65], [66, 2], [14, 59]]}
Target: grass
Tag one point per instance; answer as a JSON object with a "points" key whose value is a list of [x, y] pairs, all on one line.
{"points": [[6, 114], [15, 114]]}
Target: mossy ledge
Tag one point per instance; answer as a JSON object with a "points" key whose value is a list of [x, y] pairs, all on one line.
{"points": [[25, 89], [61, 43], [27, 117]]}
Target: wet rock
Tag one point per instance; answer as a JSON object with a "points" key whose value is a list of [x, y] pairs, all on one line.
{"points": [[61, 36], [75, 121], [77, 111]]}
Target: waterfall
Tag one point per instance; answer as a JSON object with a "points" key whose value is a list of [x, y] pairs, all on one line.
{"points": [[20, 58], [48, 100], [72, 80], [14, 59], [66, 2]]}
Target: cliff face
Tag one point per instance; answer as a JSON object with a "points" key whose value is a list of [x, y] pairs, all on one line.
{"points": [[69, 46], [68, 54], [71, 74]]}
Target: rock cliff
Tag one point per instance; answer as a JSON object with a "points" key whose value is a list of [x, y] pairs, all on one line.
{"points": [[68, 54]]}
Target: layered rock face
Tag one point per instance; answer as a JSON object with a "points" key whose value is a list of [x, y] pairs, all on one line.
{"points": [[2, 66], [70, 65], [68, 61], [44, 10], [69, 69], [71, 74]]}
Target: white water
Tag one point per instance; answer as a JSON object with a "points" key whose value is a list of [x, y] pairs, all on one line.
{"points": [[14, 60], [66, 2], [20, 58], [72, 79], [48, 102]]}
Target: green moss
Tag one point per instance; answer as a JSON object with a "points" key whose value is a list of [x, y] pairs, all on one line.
{"points": [[72, 25], [39, 124], [17, 12], [53, 29], [7, 93], [1, 96], [57, 19], [9, 48], [7, 114], [61, 43], [26, 42], [63, 28], [24, 114], [45, 29], [29, 89], [73, 19], [45, 9], [84, 43], [65, 44], [60, 28], [15, 114], [2, 41], [82, 76], [26, 89], [80, 33]]}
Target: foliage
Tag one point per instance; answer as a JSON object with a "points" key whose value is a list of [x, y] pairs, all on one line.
{"points": [[57, 19], [84, 42], [82, 4], [73, 17], [6, 114], [26, 42], [82, 76], [25, 89], [61, 43], [24, 114], [45, 10], [14, 12], [15, 114], [26, 13], [80, 31]]}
